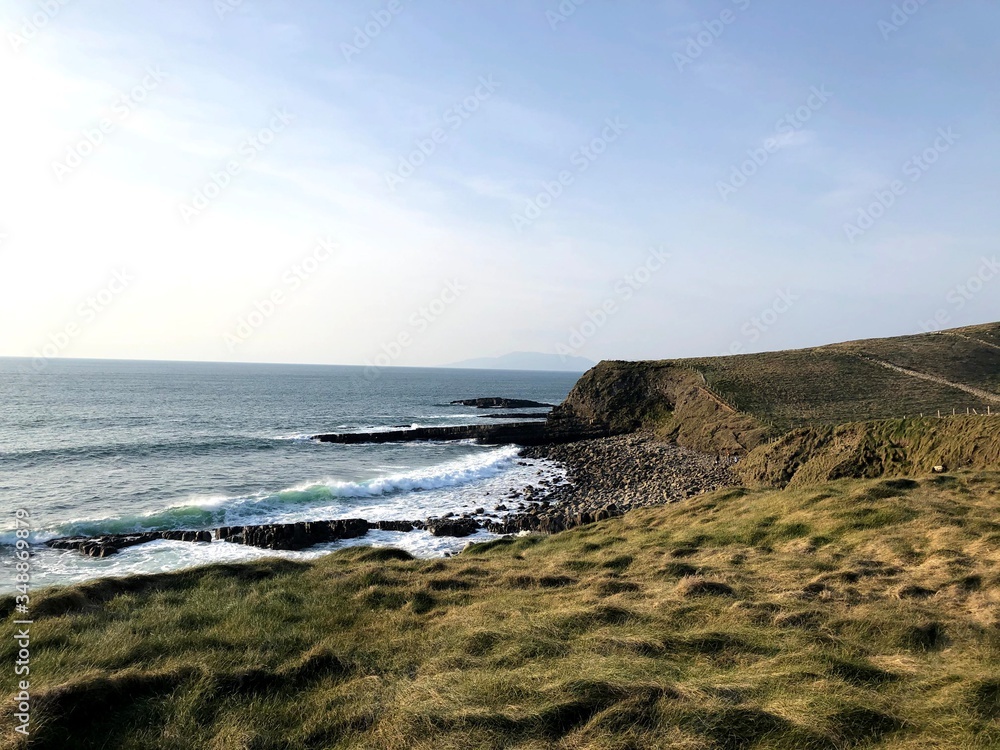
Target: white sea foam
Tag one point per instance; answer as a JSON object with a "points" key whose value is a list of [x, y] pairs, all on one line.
{"points": [[332, 496], [453, 473], [297, 438]]}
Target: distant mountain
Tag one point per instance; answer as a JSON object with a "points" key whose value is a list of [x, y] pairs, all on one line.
{"points": [[527, 361]]}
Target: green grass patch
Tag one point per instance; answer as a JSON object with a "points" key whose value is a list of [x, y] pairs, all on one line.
{"points": [[855, 614]]}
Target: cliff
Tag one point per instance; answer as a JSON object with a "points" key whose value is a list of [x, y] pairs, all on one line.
{"points": [[668, 398], [731, 405]]}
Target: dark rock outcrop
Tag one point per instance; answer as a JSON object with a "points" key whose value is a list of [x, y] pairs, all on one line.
{"points": [[516, 415], [551, 522], [520, 433], [452, 526], [500, 403], [110, 544], [294, 536], [401, 526]]}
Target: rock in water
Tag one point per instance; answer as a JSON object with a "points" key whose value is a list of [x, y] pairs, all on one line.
{"points": [[293, 536], [451, 527], [496, 402], [403, 526], [521, 433], [110, 544]]}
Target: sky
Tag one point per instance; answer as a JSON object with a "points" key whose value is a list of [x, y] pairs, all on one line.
{"points": [[404, 183]]}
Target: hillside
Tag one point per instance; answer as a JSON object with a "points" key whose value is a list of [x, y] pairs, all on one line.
{"points": [[733, 404], [886, 448], [859, 614]]}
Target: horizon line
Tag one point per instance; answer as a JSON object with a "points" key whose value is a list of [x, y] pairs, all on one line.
{"points": [[279, 364]]}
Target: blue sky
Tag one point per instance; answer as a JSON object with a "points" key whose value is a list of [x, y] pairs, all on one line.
{"points": [[416, 183]]}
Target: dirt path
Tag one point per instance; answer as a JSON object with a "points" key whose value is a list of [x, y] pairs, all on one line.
{"points": [[977, 392], [974, 341]]}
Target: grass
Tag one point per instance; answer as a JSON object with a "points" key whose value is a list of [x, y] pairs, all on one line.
{"points": [[733, 404], [830, 386], [955, 358], [854, 614], [893, 447]]}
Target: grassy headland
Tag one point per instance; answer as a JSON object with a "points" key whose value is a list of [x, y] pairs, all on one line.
{"points": [[733, 404], [855, 614]]}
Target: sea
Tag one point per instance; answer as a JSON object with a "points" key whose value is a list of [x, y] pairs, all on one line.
{"points": [[89, 447]]}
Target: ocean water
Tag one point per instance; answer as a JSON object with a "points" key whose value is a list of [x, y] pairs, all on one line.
{"points": [[91, 447]]}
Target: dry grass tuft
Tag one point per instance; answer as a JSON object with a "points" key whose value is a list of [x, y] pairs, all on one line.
{"points": [[856, 614]]}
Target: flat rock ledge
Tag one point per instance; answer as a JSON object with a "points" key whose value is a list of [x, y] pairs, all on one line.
{"points": [[516, 415], [522, 433], [536, 433], [103, 546], [276, 536], [500, 403], [293, 536]]}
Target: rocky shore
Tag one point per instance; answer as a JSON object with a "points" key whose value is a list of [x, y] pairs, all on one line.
{"points": [[604, 477], [276, 536], [608, 477], [635, 470]]}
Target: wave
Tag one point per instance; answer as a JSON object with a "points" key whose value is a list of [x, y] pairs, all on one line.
{"points": [[78, 453], [213, 511], [161, 448]]}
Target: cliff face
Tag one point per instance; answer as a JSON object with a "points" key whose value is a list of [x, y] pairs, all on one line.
{"points": [[615, 397], [668, 398]]}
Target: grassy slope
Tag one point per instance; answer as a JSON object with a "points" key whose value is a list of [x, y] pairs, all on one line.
{"points": [[782, 390], [955, 358], [892, 447], [826, 386], [831, 384], [859, 613]]}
